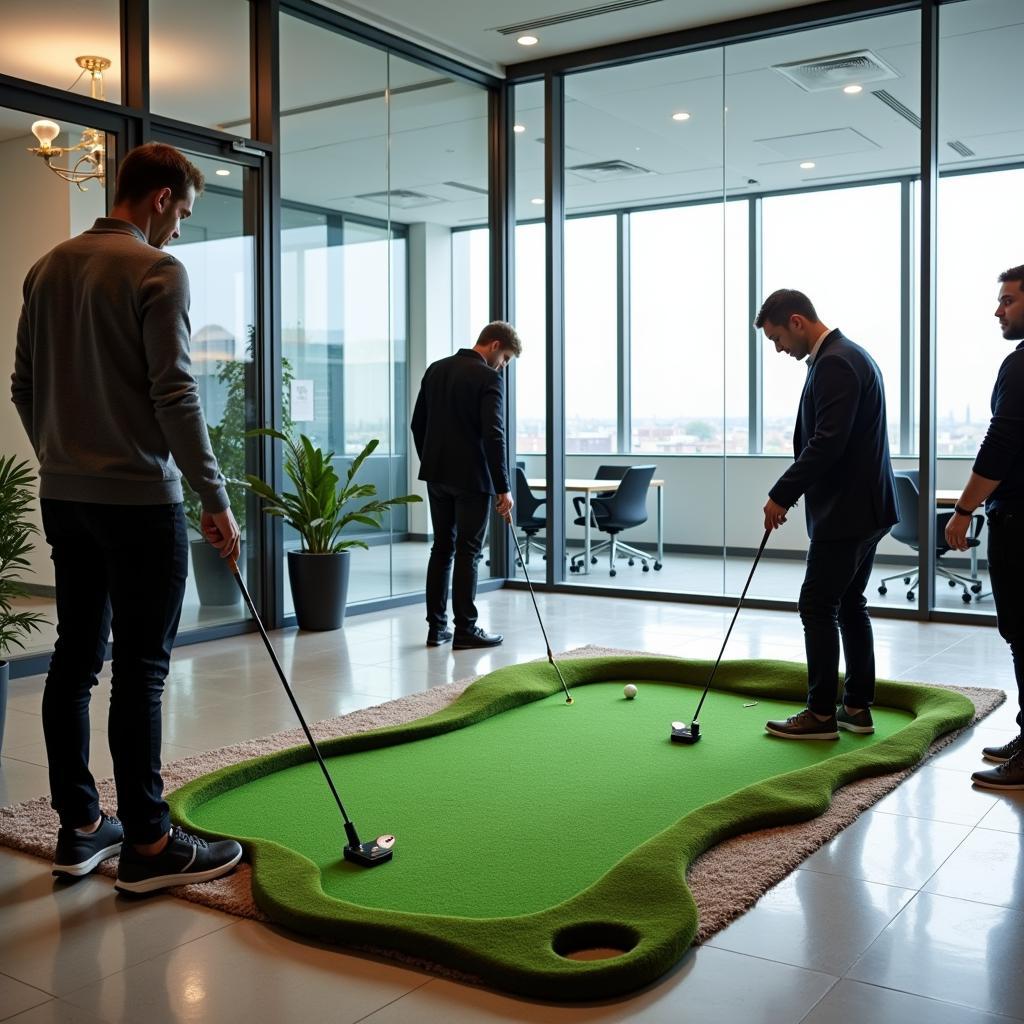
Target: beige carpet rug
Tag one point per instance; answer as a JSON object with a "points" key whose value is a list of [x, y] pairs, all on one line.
{"points": [[725, 881]]}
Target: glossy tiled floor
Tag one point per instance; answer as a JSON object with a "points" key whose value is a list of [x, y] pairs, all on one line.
{"points": [[913, 914]]}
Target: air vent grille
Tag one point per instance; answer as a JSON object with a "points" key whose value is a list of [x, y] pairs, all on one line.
{"points": [[609, 170], [578, 15], [894, 104], [819, 74], [957, 146], [467, 188], [400, 198]]}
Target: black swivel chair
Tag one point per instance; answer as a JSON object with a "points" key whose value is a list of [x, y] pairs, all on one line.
{"points": [[527, 518], [520, 465], [623, 510], [908, 501]]}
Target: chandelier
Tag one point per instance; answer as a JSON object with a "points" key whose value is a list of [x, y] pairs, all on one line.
{"points": [[92, 163]]}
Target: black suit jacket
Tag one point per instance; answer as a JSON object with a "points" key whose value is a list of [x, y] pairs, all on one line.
{"points": [[459, 425], [841, 446]]}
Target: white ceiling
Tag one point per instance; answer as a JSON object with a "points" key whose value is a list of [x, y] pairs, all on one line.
{"points": [[434, 130], [468, 29]]}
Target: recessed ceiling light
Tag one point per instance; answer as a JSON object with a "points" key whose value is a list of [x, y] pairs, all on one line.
{"points": [[807, 165], [537, 202], [682, 115], [527, 40], [852, 90], [223, 172], [519, 128]]}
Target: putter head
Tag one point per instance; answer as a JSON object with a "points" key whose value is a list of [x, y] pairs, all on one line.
{"points": [[683, 733], [369, 855]]}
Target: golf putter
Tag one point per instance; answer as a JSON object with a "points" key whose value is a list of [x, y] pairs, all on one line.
{"points": [[681, 732], [366, 855], [522, 562]]}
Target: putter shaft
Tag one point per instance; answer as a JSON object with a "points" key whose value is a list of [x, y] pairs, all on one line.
{"points": [[547, 643]]}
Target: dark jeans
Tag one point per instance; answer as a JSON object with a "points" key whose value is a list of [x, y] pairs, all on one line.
{"points": [[832, 603], [1006, 571], [459, 518], [122, 566]]}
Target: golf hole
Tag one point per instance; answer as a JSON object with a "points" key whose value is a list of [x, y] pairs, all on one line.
{"points": [[594, 941]]}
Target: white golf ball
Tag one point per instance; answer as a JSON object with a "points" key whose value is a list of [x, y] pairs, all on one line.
{"points": [[629, 690]]}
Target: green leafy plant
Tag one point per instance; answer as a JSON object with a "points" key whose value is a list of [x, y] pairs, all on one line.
{"points": [[227, 438], [318, 509], [15, 543]]}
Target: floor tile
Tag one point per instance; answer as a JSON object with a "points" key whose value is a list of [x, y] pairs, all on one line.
{"points": [[58, 936], [938, 796], [1008, 813], [16, 996], [710, 984], [248, 972], [57, 1011], [796, 922], [852, 1002], [954, 950], [889, 848], [987, 867]]}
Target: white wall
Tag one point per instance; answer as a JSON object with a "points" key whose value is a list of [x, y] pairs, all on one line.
{"points": [[38, 210], [694, 498], [430, 332]]}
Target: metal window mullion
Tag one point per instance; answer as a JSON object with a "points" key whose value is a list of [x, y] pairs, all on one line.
{"points": [[502, 223], [927, 311], [624, 417], [907, 277], [755, 369], [554, 210]]}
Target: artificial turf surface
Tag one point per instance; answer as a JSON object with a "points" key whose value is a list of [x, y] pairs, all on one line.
{"points": [[527, 808], [528, 829]]}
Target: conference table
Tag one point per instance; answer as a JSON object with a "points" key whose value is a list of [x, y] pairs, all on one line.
{"points": [[588, 488]]}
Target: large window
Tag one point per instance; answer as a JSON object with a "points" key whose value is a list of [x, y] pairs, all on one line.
{"points": [[684, 361], [857, 287], [591, 334], [974, 247]]}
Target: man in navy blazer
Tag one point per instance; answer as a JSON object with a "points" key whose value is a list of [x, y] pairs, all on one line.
{"points": [[458, 426], [844, 474]]}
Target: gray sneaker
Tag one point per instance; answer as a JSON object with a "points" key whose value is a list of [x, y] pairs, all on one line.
{"points": [[1008, 775], [997, 755], [804, 726], [857, 721], [185, 859]]}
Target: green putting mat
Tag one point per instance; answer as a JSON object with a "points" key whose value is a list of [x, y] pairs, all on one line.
{"points": [[528, 829]]}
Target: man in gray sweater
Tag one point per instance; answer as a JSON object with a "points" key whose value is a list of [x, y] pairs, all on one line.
{"points": [[103, 384]]}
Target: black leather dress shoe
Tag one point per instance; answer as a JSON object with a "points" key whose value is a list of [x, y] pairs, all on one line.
{"points": [[436, 637], [476, 638]]}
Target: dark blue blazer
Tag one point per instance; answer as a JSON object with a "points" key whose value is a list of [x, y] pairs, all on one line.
{"points": [[841, 444], [458, 425]]}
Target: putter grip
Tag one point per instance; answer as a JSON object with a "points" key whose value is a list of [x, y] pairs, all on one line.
{"points": [[232, 565]]}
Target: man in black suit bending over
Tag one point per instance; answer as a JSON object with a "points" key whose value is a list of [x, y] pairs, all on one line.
{"points": [[844, 474], [459, 429]]}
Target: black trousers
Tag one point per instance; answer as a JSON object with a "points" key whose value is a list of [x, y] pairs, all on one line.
{"points": [[1006, 571], [123, 566], [832, 605], [460, 519]]}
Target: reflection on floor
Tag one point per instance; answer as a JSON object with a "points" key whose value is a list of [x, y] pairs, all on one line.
{"points": [[914, 913]]}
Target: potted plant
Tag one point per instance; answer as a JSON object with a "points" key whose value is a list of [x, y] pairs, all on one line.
{"points": [[15, 543], [319, 511], [214, 583]]}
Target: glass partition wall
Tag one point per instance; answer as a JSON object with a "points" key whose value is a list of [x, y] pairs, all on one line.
{"points": [[383, 160]]}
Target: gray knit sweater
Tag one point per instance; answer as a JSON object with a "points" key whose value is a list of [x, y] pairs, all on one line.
{"points": [[102, 375]]}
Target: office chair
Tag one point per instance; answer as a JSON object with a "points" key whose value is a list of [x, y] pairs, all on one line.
{"points": [[908, 500], [527, 519], [520, 465], [623, 510]]}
